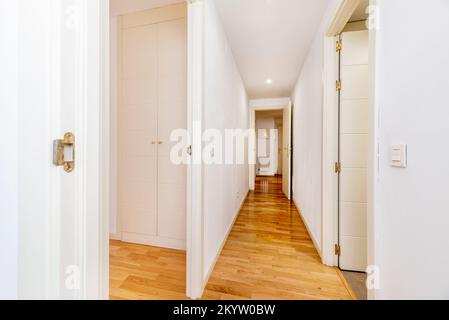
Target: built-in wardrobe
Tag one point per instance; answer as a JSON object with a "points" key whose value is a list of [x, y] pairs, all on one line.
{"points": [[152, 48]]}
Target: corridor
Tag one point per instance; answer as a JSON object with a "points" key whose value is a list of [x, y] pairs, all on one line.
{"points": [[270, 255]]}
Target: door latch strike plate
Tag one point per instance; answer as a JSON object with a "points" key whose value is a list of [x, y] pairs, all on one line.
{"points": [[59, 152]]}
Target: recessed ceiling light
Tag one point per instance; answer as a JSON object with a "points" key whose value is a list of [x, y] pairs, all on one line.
{"points": [[269, 81]]}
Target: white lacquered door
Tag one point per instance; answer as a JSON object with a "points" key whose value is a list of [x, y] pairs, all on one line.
{"points": [[137, 132], [353, 151], [59, 96], [172, 115], [287, 152]]}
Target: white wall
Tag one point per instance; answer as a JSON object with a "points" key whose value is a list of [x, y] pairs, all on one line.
{"points": [[225, 107], [117, 8], [307, 135], [412, 212], [8, 151], [410, 218]]}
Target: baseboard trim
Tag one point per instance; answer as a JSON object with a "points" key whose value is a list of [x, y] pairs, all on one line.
{"points": [[115, 236], [211, 269], [312, 236], [154, 241]]}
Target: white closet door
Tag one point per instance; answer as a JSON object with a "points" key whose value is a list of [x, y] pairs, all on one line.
{"points": [[137, 125], [354, 150], [172, 113]]}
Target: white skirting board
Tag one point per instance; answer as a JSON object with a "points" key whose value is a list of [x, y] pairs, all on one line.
{"points": [[152, 241], [115, 236]]}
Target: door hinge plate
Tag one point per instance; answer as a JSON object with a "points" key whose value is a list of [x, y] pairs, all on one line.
{"points": [[338, 85], [189, 150], [337, 250], [337, 167]]}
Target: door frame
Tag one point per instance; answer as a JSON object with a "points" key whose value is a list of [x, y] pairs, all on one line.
{"points": [[194, 212], [195, 280], [266, 105], [105, 150], [290, 163], [330, 185]]}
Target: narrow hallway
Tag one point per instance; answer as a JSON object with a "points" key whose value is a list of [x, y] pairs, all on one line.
{"points": [[270, 255]]}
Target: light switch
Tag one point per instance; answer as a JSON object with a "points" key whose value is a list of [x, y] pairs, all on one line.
{"points": [[399, 155]]}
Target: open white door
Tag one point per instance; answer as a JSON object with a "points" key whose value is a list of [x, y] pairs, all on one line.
{"points": [[353, 151], [287, 151], [60, 91]]}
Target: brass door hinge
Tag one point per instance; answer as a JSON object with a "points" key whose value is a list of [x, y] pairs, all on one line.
{"points": [[337, 167], [338, 46], [338, 85], [337, 250]]}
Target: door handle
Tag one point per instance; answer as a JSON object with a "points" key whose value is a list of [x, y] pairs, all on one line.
{"points": [[64, 152]]}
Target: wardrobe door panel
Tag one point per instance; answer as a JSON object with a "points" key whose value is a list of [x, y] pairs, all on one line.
{"points": [[137, 131], [172, 115]]}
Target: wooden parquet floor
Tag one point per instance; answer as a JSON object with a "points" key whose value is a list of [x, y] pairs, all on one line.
{"points": [[269, 255]]}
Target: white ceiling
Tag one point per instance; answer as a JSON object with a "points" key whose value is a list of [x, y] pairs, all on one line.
{"points": [[271, 39]]}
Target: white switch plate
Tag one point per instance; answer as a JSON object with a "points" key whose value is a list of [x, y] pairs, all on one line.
{"points": [[398, 155]]}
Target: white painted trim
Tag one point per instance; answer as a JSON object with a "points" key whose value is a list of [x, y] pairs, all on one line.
{"points": [[105, 150], [195, 214], [330, 155], [94, 143], [373, 154], [223, 243], [329, 197], [345, 10], [154, 241], [260, 105]]}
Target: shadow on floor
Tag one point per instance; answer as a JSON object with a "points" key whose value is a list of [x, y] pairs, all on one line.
{"points": [[357, 282]]}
